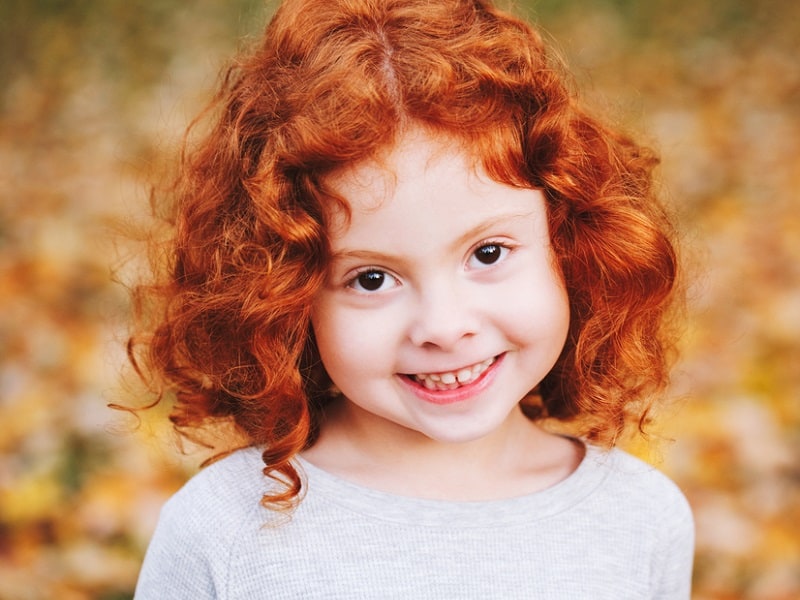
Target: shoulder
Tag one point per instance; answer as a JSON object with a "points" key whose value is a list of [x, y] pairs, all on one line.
{"points": [[218, 500], [637, 477], [227, 491], [627, 475], [199, 529], [634, 522], [634, 486]]}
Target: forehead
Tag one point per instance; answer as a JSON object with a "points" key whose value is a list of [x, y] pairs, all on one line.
{"points": [[368, 185], [423, 187]]}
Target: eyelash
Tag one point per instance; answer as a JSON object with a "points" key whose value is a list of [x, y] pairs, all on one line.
{"points": [[503, 247], [351, 283]]}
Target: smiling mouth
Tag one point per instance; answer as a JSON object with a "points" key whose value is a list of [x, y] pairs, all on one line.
{"points": [[451, 380]]}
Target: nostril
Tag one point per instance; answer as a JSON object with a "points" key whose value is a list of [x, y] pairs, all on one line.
{"points": [[444, 331]]}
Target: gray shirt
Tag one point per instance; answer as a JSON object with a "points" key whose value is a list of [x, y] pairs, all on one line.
{"points": [[615, 529]]}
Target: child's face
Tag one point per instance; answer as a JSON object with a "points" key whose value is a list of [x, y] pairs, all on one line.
{"points": [[443, 307]]}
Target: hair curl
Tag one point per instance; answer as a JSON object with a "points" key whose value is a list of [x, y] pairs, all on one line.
{"points": [[334, 82]]}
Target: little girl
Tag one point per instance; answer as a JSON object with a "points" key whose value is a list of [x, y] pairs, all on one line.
{"points": [[401, 255]]}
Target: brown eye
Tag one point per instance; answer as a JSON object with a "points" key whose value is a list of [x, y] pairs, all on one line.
{"points": [[371, 281], [488, 254]]}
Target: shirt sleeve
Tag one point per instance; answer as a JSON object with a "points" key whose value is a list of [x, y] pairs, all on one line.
{"points": [[176, 564], [674, 573]]}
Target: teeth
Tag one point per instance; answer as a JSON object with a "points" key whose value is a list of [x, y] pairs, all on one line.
{"points": [[453, 379]]}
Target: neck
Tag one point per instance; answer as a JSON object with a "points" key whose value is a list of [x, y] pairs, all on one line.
{"points": [[519, 458]]}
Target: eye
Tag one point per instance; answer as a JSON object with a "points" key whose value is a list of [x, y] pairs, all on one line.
{"points": [[372, 280], [487, 254]]}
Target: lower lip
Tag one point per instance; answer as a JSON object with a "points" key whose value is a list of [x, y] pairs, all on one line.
{"points": [[459, 394]]}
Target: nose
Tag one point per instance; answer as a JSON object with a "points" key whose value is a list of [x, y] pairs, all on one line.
{"points": [[444, 315]]}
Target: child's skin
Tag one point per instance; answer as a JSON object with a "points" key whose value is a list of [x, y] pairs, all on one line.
{"points": [[439, 269]]}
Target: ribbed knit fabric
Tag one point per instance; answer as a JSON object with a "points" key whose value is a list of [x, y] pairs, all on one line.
{"points": [[615, 529]]}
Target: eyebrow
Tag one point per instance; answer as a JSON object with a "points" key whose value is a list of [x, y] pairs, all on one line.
{"points": [[464, 238]]}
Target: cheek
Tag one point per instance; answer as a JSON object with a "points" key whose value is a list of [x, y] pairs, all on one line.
{"points": [[333, 354], [349, 342], [329, 332], [538, 311]]}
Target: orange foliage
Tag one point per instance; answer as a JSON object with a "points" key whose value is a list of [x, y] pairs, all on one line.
{"points": [[90, 106]]}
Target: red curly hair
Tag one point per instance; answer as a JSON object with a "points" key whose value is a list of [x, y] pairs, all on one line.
{"points": [[334, 82]]}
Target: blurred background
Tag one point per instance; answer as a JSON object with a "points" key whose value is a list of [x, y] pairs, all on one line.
{"points": [[94, 95]]}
